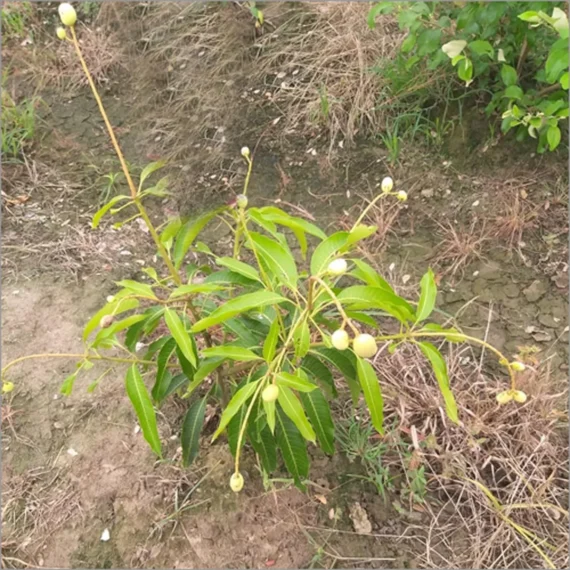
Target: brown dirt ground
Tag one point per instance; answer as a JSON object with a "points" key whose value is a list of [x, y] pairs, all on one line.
{"points": [[57, 272]]}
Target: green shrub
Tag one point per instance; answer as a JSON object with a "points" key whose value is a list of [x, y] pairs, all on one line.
{"points": [[513, 56]]}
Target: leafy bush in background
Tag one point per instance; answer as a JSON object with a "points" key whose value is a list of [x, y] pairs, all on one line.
{"points": [[511, 56]]}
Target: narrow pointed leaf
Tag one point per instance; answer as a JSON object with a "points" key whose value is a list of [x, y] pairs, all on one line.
{"points": [[239, 267], [279, 260], [364, 297], [266, 449], [115, 307], [117, 326], [295, 382], [302, 340], [239, 399], [236, 306], [269, 408], [188, 233], [326, 250], [67, 386], [292, 407], [369, 275], [162, 381], [343, 362], [191, 428], [440, 372], [137, 288], [319, 413], [140, 399], [427, 297], [293, 448], [320, 373], [195, 288], [233, 429], [270, 343], [176, 383], [372, 394], [180, 334], [149, 169], [100, 213], [231, 353]]}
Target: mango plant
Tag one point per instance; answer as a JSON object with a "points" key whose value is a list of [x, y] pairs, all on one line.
{"points": [[260, 333]]}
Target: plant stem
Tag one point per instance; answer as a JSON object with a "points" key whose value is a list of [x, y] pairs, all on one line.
{"points": [[345, 317], [124, 167], [367, 209]]}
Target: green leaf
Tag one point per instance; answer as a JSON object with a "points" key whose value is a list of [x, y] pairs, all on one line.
{"points": [[508, 75], [377, 9], [149, 169], [176, 384], [231, 353], [270, 343], [292, 407], [206, 368], [188, 233], [514, 92], [453, 48], [319, 413], [409, 43], [428, 42], [115, 307], [138, 288], [342, 361], [361, 318], [67, 386], [365, 297], [325, 250], [440, 371], [530, 16], [302, 339], [266, 448], [369, 275], [372, 394], [179, 332], [100, 213], [194, 288], [428, 295], [320, 373], [170, 231], [294, 381], [140, 399], [238, 305], [162, 381], [482, 47], [553, 137], [227, 277], [191, 428], [269, 408], [279, 261], [293, 448], [104, 335], [359, 233], [239, 267], [564, 81], [233, 429], [238, 400], [465, 70]]}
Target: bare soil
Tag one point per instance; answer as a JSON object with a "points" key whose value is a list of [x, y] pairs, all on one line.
{"points": [[75, 467]]}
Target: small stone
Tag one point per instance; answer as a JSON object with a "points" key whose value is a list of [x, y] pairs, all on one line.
{"points": [[535, 291], [490, 270], [359, 518], [58, 425], [542, 336], [548, 321], [511, 290], [72, 452], [106, 535], [427, 192]]}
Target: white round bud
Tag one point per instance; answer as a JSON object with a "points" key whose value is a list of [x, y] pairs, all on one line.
{"points": [[245, 151], [236, 482], [337, 266], [67, 14], [61, 33], [402, 196], [340, 339], [387, 184]]}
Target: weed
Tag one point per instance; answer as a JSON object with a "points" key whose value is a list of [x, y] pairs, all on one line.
{"points": [[15, 16], [18, 122], [392, 143]]}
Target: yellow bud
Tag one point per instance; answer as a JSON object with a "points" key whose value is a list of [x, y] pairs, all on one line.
{"points": [[7, 387], [270, 394], [337, 267], [402, 196], [241, 201], [67, 14], [340, 339], [519, 396], [236, 482], [61, 33], [364, 345], [504, 397], [518, 366], [245, 151], [387, 184]]}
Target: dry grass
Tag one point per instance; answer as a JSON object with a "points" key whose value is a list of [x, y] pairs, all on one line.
{"points": [[310, 65], [460, 245], [517, 454]]}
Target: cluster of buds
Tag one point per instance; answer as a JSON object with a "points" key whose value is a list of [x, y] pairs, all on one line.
{"points": [[387, 185], [364, 345], [68, 17], [517, 395]]}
